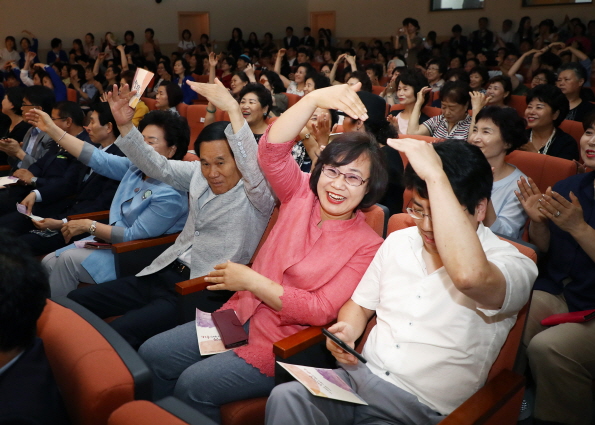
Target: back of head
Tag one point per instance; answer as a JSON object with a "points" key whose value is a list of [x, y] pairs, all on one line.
{"points": [[467, 170], [320, 81], [72, 110], [105, 116], [347, 148], [363, 78], [41, 96], [376, 124], [551, 60], [23, 291], [552, 96], [457, 74], [15, 96], [175, 128], [510, 124], [457, 92]]}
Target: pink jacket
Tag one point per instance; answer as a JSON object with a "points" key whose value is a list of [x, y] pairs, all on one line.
{"points": [[319, 268]]}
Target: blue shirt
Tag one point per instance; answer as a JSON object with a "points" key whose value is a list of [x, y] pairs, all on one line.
{"points": [[570, 271]]}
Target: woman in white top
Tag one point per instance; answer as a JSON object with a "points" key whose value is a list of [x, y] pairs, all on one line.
{"points": [[409, 83], [9, 53], [497, 132], [301, 75], [186, 44]]}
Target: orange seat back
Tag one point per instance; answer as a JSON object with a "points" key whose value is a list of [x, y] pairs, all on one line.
{"points": [[377, 90], [182, 109], [575, 129], [519, 103], [292, 99], [376, 218], [545, 170], [397, 107], [92, 376], [195, 114], [430, 111], [72, 95], [149, 102]]}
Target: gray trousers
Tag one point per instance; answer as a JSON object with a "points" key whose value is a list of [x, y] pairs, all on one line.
{"points": [[562, 360], [292, 403], [204, 383], [66, 271]]}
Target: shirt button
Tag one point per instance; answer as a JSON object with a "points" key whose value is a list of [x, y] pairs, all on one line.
{"points": [[419, 296], [398, 346], [387, 373], [196, 233], [239, 143]]}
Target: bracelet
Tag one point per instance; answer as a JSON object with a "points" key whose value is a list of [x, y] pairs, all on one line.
{"points": [[92, 228], [212, 112], [58, 141]]}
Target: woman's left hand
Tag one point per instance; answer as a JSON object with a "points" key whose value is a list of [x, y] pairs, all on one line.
{"points": [[234, 277], [216, 93], [74, 228], [568, 216], [118, 101]]}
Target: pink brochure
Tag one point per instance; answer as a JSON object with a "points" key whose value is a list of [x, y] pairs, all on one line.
{"points": [[142, 78]]}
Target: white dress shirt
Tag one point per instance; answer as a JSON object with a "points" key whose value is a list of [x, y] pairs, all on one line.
{"points": [[431, 340]]}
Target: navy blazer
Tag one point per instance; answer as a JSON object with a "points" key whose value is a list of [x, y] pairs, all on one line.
{"points": [[28, 392]]}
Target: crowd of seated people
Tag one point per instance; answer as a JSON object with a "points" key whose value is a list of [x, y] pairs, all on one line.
{"points": [[316, 124]]}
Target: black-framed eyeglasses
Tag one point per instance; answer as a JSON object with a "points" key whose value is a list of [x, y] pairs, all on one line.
{"points": [[350, 178], [62, 119]]}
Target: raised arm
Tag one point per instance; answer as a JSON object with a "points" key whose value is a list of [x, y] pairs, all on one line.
{"points": [[514, 69], [456, 237], [280, 55], [123, 58], [333, 73], [478, 101], [98, 62], [414, 127], [212, 68]]}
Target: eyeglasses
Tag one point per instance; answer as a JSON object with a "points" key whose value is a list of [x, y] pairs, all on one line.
{"points": [[27, 105], [419, 215], [61, 119], [350, 178]]}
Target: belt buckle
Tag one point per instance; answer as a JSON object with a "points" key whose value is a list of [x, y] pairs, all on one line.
{"points": [[178, 266]]}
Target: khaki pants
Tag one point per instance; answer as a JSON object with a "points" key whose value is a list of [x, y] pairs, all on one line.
{"points": [[562, 360]]}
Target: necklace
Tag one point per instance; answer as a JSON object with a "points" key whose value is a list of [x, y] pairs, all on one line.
{"points": [[544, 148]]}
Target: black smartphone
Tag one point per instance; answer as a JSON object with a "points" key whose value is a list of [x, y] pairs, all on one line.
{"points": [[344, 346]]}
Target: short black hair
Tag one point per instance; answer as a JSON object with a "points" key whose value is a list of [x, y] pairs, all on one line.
{"points": [[304, 51], [185, 64], [482, 71], [376, 68], [442, 65], [80, 72], [320, 81], [129, 33], [72, 110], [150, 30], [307, 29], [264, 96], [467, 169], [413, 78], [412, 21], [55, 43], [175, 95], [363, 78], [310, 70], [175, 128], [589, 120], [511, 125], [456, 28], [15, 96], [289, 28], [475, 61], [552, 96], [104, 113], [347, 148], [549, 75], [24, 289], [458, 73], [212, 132], [275, 81], [41, 96], [550, 59], [231, 62], [506, 84], [456, 91]]}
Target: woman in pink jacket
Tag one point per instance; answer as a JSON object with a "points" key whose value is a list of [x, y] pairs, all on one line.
{"points": [[308, 268]]}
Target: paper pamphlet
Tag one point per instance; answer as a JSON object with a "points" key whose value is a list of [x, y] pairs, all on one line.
{"points": [[323, 383], [8, 180], [209, 340], [142, 78], [23, 210]]}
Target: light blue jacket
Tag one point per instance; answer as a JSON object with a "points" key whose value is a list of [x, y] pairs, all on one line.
{"points": [[140, 209]]}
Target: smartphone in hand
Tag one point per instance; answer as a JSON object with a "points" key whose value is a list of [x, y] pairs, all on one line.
{"points": [[343, 345]]}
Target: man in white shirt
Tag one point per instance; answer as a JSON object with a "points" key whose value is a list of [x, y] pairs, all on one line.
{"points": [[445, 293]]}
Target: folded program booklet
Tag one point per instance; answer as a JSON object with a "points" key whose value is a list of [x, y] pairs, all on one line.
{"points": [[209, 340], [142, 78], [323, 383]]}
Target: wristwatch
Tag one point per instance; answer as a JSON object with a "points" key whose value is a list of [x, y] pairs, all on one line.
{"points": [[33, 181], [92, 228]]}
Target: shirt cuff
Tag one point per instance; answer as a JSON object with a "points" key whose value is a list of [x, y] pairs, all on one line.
{"points": [[37, 195], [117, 234], [86, 153], [64, 220]]}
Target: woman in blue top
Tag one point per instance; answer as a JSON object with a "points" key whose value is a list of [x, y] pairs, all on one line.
{"points": [[182, 74], [142, 207]]}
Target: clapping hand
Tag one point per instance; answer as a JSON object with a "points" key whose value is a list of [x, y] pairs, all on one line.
{"points": [[529, 196]]}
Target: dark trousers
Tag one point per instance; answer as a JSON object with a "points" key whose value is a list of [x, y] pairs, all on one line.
{"points": [[148, 305]]}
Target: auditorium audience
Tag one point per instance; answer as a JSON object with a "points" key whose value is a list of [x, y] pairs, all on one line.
{"points": [[409, 84], [571, 79], [499, 90], [130, 217], [169, 95]]}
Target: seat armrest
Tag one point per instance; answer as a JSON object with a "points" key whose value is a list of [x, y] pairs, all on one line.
{"points": [[97, 216], [488, 400], [297, 342], [192, 285], [122, 247]]}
